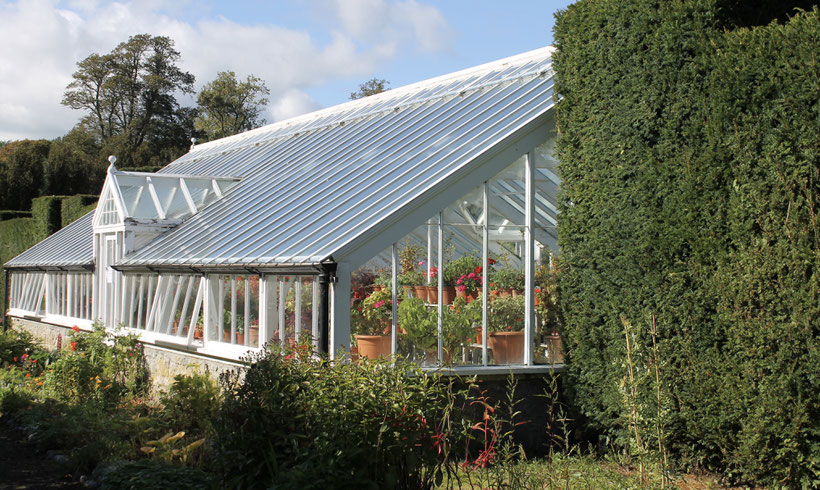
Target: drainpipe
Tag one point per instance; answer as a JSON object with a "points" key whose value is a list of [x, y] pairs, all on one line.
{"points": [[325, 278], [6, 293]]}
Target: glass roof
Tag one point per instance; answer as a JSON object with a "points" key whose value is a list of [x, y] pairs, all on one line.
{"points": [[314, 184], [154, 196]]}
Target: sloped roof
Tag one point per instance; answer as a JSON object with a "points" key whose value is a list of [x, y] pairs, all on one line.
{"points": [[311, 184], [70, 247], [315, 183]]}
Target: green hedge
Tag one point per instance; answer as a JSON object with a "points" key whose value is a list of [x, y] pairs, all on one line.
{"points": [[11, 214], [690, 158], [74, 207], [47, 214]]}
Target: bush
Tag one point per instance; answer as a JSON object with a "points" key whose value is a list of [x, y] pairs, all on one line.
{"points": [[139, 475], [76, 206], [299, 422], [191, 404], [689, 157]]}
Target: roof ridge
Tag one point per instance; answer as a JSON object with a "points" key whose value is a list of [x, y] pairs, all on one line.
{"points": [[540, 53]]}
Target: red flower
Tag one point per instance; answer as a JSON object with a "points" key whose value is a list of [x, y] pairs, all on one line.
{"points": [[24, 357], [15, 359], [477, 270], [72, 346], [28, 375], [490, 260], [76, 329]]}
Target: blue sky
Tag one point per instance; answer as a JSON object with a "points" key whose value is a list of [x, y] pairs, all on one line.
{"points": [[311, 54]]}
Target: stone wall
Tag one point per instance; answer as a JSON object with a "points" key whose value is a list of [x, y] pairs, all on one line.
{"points": [[163, 363]]}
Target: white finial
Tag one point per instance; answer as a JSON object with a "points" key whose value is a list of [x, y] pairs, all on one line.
{"points": [[112, 159], [193, 143]]}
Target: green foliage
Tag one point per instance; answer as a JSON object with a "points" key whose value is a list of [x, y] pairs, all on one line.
{"points": [[150, 474], [77, 206], [506, 314], [228, 106], [21, 172], [129, 99], [191, 403], [6, 214], [421, 326], [371, 87], [507, 278], [689, 163], [99, 366], [301, 422], [47, 213]]}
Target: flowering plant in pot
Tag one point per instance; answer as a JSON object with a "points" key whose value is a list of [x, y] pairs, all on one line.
{"points": [[371, 324], [468, 284]]}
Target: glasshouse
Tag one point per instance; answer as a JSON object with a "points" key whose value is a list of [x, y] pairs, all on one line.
{"points": [[418, 222]]}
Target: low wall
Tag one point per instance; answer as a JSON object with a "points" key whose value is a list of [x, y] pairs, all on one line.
{"points": [[163, 363]]}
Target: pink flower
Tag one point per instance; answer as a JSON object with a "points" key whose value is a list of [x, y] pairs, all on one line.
{"points": [[462, 288]]}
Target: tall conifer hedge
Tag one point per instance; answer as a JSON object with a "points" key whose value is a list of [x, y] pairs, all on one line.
{"points": [[690, 158]]}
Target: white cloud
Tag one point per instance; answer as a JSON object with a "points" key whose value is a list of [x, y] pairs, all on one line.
{"points": [[42, 40], [291, 103]]}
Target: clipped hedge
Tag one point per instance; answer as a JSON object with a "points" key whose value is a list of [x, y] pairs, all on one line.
{"points": [[690, 158], [47, 214], [75, 207], [11, 214]]}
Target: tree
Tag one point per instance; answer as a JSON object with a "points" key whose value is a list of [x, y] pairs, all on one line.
{"points": [[228, 106], [21, 172], [371, 87], [73, 166], [128, 94]]}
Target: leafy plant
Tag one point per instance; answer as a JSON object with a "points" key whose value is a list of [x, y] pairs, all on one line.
{"points": [[506, 314], [421, 326], [459, 267], [507, 278]]}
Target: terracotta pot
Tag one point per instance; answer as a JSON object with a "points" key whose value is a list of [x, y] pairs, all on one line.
{"points": [[515, 293], [254, 336], [448, 294], [479, 335], [374, 346], [240, 337], [555, 349], [198, 332], [408, 291], [503, 293], [508, 347], [420, 292], [535, 299], [432, 294], [377, 288]]}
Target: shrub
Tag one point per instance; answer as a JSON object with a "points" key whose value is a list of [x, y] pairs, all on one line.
{"points": [[296, 421], [150, 474], [191, 404]]}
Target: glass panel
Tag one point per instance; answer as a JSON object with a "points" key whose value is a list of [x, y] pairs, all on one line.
{"points": [[134, 192], [463, 286], [171, 200], [201, 192]]}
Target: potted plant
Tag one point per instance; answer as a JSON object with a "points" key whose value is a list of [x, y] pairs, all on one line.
{"points": [[507, 281], [458, 326], [372, 333], [506, 324], [420, 325], [464, 274], [383, 280]]}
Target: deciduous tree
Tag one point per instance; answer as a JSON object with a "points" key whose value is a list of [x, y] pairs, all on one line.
{"points": [[228, 106]]}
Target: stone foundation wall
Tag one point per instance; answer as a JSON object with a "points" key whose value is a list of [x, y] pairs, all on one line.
{"points": [[163, 363]]}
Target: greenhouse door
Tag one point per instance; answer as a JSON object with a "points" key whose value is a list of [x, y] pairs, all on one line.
{"points": [[108, 257]]}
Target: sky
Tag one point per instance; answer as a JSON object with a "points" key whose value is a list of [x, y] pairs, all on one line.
{"points": [[310, 53]]}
